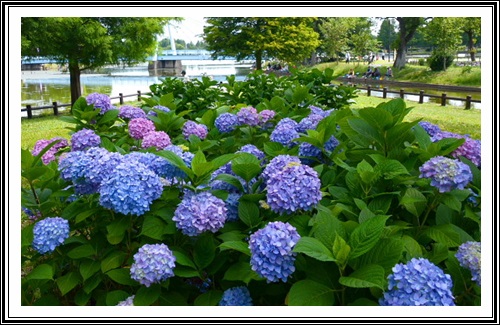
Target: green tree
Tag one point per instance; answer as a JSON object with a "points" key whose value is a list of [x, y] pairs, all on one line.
{"points": [[90, 42], [445, 33], [387, 33], [336, 33], [407, 28], [472, 28], [284, 38], [361, 39]]}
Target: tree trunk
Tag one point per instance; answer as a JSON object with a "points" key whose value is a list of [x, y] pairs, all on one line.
{"points": [[470, 44], [258, 60], [407, 28], [74, 80]]}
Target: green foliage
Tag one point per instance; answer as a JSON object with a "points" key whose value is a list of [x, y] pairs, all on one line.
{"points": [[375, 210], [439, 62]]}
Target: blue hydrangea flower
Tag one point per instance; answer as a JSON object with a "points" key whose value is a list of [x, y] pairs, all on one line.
{"points": [[200, 213], [446, 174], [155, 163], [271, 251], [130, 112], [469, 257], [430, 128], [84, 139], [139, 127], [248, 116], [232, 203], [418, 283], [319, 111], [100, 101], [296, 187], [309, 123], [50, 233], [158, 139], [237, 296], [285, 132], [193, 128], [470, 149], [277, 164], [160, 108], [127, 302], [153, 263], [308, 150], [226, 122], [130, 189], [172, 172]]}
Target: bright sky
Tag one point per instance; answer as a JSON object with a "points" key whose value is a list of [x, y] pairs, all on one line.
{"points": [[188, 30]]}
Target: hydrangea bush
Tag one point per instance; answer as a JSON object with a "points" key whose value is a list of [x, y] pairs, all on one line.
{"points": [[264, 192]]}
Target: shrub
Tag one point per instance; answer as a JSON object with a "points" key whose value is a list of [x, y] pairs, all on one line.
{"points": [[438, 62]]}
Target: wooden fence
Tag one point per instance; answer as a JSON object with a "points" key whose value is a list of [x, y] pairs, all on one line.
{"points": [[421, 94], [55, 106]]}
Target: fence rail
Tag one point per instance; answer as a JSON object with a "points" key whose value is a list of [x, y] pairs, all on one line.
{"points": [[421, 94], [55, 105]]}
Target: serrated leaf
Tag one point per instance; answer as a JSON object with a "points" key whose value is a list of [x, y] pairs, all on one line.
{"points": [[443, 234], [414, 201], [113, 261], [310, 293], [204, 251], [153, 227], [249, 213], [89, 268], [341, 250], [314, 248], [368, 276], [81, 251], [67, 282], [366, 235], [325, 227], [386, 253], [41, 272]]}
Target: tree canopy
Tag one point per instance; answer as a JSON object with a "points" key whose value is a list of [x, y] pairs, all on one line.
{"points": [[283, 38], [90, 42]]}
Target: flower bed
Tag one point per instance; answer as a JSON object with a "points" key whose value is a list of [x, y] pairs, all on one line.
{"points": [[266, 192]]}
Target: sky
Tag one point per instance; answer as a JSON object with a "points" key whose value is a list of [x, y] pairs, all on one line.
{"points": [[188, 30]]}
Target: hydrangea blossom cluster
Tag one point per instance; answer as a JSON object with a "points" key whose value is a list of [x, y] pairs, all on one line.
{"points": [[153, 263], [446, 174], [191, 127], [50, 155], [155, 163], [296, 187], [226, 122], [265, 116], [199, 213], [309, 123], [159, 108], [100, 101], [469, 257], [285, 132], [430, 128], [470, 149], [131, 188], [127, 302], [445, 134], [237, 296], [418, 283], [232, 203], [139, 127], [50, 233], [271, 251], [158, 139], [251, 149], [172, 172], [308, 150], [319, 111], [131, 112], [84, 139], [248, 116], [222, 185], [277, 164]]}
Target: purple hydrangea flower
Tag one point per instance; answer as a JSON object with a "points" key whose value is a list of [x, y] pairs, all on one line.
{"points": [[248, 116], [158, 139], [418, 283], [153, 263], [251, 149], [139, 127], [199, 213], [469, 257], [100, 101], [296, 187], [232, 203], [430, 128], [271, 251], [309, 123], [285, 132], [226, 122], [130, 189], [237, 296], [319, 111], [308, 150], [159, 108], [50, 233], [446, 174], [84, 139], [445, 134], [131, 112], [470, 149], [265, 116], [277, 164], [191, 127], [127, 302], [50, 155]]}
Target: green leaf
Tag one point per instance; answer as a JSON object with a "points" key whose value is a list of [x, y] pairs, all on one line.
{"points": [[210, 298], [230, 180], [204, 251], [185, 272], [199, 164], [172, 298], [153, 227], [116, 296], [310, 293], [314, 248], [414, 201], [110, 116], [443, 234], [122, 276], [411, 247], [183, 259], [237, 246], [92, 283], [113, 261], [341, 250], [241, 271], [377, 117], [246, 171], [89, 268], [325, 227], [81, 252], [249, 213], [368, 276], [85, 214], [67, 282], [366, 235], [451, 201], [27, 235], [386, 253], [41, 272], [146, 296], [176, 161]]}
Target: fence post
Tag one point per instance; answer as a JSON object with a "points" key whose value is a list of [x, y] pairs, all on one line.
{"points": [[28, 110], [121, 98], [443, 99], [402, 93], [368, 91], [139, 95], [421, 97], [54, 105], [384, 92], [468, 102]]}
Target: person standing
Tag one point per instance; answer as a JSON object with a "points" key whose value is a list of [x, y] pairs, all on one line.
{"points": [[347, 57]]}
